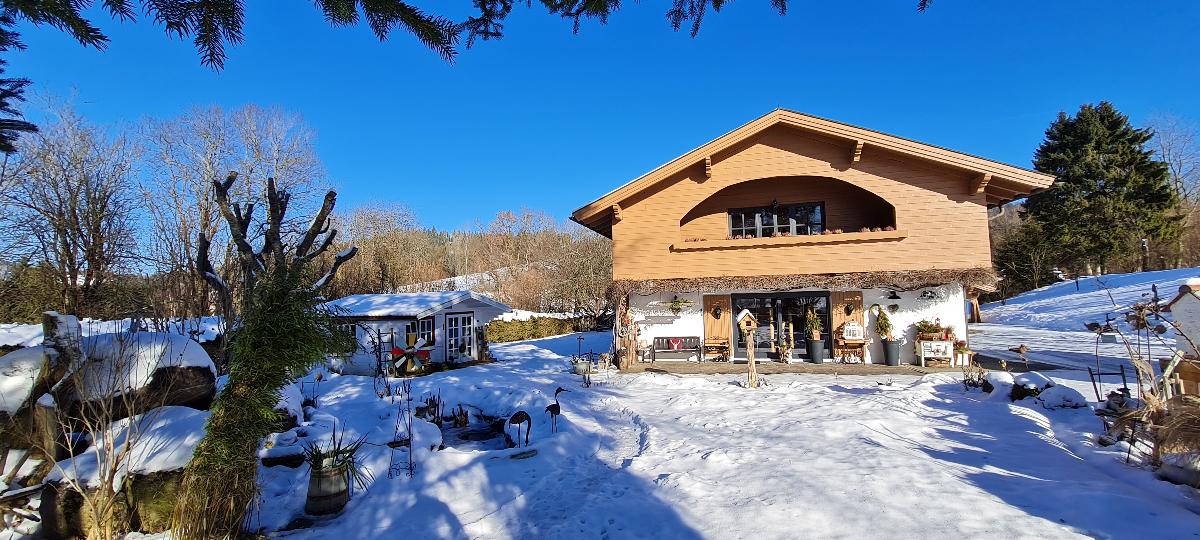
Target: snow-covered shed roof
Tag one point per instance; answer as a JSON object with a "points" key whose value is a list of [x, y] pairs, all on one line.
{"points": [[418, 305], [1190, 287]]}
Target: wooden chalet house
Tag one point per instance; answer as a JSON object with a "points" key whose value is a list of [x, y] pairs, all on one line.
{"points": [[791, 212]]}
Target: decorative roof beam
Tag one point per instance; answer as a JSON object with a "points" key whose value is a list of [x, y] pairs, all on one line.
{"points": [[856, 156], [980, 183], [708, 166], [616, 210]]}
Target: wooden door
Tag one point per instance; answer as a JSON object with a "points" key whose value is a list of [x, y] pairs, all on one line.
{"points": [[839, 300], [717, 328]]}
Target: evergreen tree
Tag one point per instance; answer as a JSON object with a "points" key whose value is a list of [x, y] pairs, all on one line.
{"points": [[1110, 192], [12, 125]]}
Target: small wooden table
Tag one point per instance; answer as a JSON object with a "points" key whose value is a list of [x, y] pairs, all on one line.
{"points": [[843, 346], [717, 348]]}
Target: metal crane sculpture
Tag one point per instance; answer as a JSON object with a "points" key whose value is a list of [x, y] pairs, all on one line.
{"points": [[518, 418], [554, 409]]}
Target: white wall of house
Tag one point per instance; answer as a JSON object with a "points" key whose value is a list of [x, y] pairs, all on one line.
{"points": [[947, 306], [654, 318]]}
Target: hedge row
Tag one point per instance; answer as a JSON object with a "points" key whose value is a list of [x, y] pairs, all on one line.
{"points": [[536, 327]]}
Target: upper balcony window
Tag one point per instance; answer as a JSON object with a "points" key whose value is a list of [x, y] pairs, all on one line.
{"points": [[777, 219]]}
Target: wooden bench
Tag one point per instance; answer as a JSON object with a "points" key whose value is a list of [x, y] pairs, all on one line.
{"points": [[674, 345]]}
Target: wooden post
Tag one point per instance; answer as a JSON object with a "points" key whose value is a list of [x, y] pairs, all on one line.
{"points": [[751, 372], [49, 436]]}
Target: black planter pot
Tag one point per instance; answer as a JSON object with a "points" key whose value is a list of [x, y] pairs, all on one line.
{"points": [[891, 352], [816, 350]]}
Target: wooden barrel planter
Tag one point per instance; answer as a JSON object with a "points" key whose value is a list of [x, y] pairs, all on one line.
{"points": [[328, 489]]}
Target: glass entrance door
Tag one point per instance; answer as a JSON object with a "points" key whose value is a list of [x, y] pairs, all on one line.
{"points": [[460, 336], [780, 321]]}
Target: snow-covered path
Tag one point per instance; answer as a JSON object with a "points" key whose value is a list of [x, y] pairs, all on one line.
{"points": [[809, 456]]}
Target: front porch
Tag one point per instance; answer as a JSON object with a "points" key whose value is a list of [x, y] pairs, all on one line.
{"points": [[771, 368]]}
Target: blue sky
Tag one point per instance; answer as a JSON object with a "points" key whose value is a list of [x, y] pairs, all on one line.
{"points": [[550, 120]]}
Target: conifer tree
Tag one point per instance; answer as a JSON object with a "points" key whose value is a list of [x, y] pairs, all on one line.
{"points": [[1110, 192]]}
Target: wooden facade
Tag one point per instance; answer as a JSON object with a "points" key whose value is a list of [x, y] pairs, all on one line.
{"points": [[673, 222]]}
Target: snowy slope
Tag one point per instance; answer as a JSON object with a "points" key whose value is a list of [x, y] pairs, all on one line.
{"points": [[1063, 307], [1050, 320]]}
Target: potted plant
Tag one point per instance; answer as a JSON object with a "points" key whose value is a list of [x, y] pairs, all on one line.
{"points": [[677, 304], [334, 468], [813, 328], [883, 328], [930, 330]]}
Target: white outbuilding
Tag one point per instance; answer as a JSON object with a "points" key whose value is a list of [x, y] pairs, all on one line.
{"points": [[1185, 308], [446, 325]]}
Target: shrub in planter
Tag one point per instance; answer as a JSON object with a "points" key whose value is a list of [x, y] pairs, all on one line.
{"points": [[883, 328], [333, 470], [813, 328]]}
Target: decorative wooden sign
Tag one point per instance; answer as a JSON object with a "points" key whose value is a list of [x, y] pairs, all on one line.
{"points": [[852, 331]]}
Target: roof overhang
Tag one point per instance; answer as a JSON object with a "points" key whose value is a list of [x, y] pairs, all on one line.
{"points": [[998, 182]]}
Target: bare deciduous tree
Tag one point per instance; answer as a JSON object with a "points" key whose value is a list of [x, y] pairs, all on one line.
{"points": [[186, 153], [71, 204], [1177, 142]]}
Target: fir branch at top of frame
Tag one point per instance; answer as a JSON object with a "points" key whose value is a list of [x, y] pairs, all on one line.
{"points": [[216, 24]]}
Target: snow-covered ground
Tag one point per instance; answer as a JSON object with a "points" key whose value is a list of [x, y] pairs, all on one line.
{"points": [[654, 455], [29, 335], [809, 456], [1050, 320]]}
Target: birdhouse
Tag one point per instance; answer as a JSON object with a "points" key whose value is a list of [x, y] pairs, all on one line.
{"points": [[1185, 308], [746, 321]]}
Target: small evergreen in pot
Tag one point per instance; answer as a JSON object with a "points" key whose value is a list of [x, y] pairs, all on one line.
{"points": [[883, 328], [813, 328]]}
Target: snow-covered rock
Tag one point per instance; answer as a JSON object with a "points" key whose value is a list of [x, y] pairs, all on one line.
{"points": [[123, 361], [163, 440], [1002, 384], [1061, 397], [1032, 379], [19, 371]]}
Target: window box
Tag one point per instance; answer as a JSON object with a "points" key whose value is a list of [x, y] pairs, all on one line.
{"points": [[881, 236]]}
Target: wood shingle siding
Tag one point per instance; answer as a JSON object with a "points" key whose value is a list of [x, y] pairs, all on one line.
{"points": [[943, 225]]}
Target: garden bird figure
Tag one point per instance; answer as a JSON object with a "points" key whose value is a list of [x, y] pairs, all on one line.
{"points": [[554, 409], [518, 418]]}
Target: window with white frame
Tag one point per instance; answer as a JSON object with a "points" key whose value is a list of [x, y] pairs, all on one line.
{"points": [[423, 328], [777, 219]]}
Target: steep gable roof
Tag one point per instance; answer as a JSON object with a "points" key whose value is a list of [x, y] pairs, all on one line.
{"points": [[1000, 182]]}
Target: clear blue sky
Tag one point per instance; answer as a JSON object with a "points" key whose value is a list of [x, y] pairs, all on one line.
{"points": [[546, 119]]}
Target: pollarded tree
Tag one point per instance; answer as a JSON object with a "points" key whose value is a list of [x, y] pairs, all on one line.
{"points": [[283, 330], [1111, 191]]}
